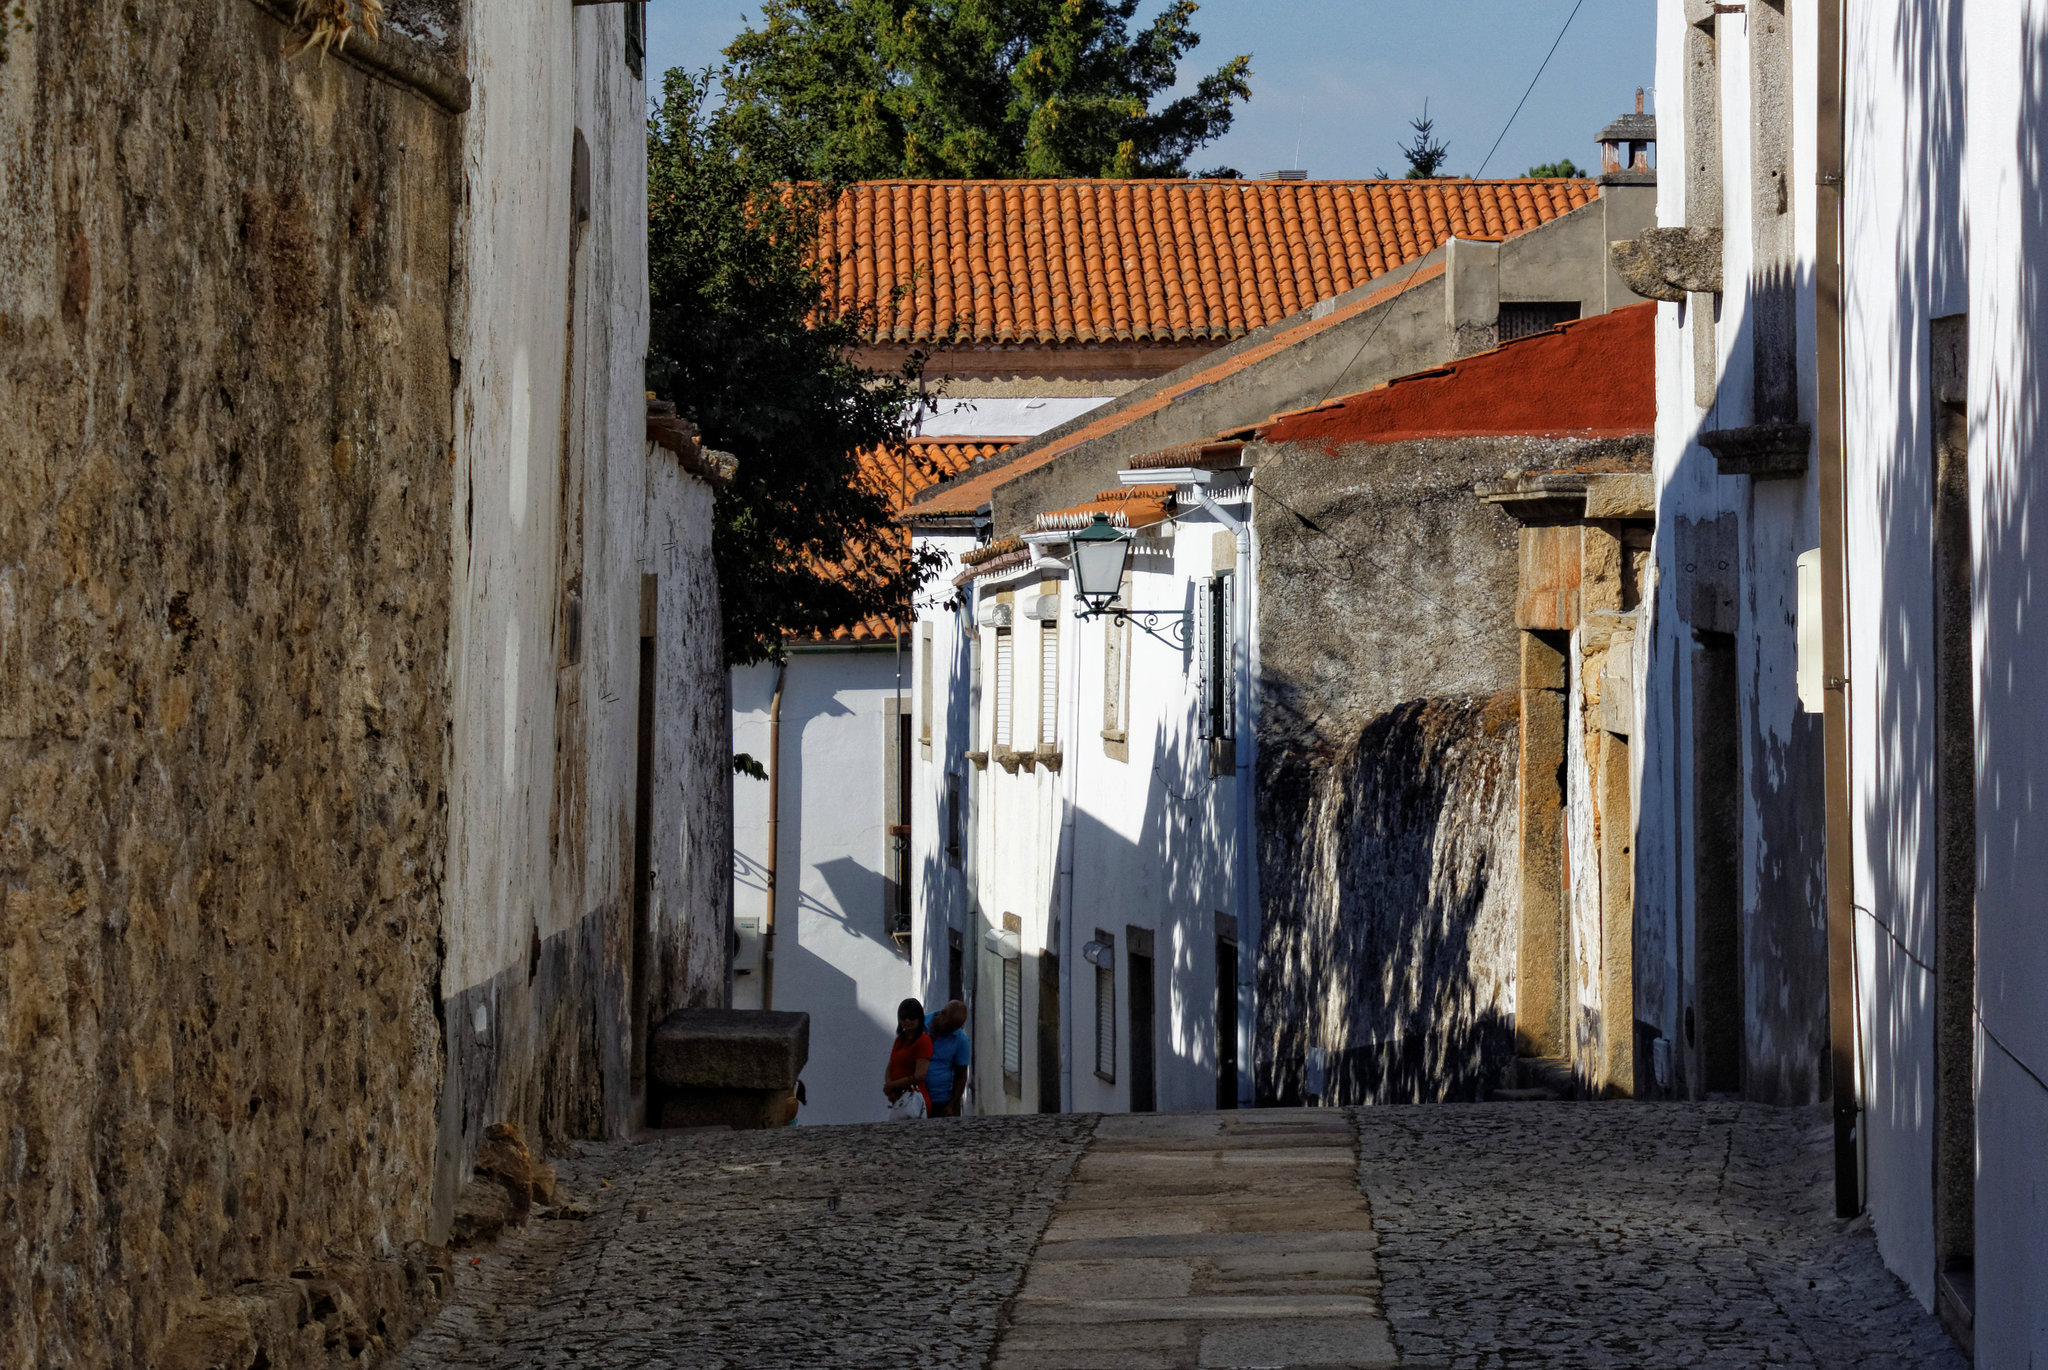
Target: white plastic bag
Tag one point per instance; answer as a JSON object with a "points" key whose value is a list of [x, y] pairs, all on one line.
{"points": [[909, 1104]]}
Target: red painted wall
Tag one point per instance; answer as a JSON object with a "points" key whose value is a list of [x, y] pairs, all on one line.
{"points": [[1595, 378]]}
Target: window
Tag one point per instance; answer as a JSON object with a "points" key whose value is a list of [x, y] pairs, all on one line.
{"points": [[953, 821], [1013, 1024], [1529, 317], [1116, 646], [924, 686], [1215, 658], [974, 693], [1049, 685], [1105, 1008], [1003, 677], [636, 38]]}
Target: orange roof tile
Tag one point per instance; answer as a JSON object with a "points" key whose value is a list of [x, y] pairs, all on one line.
{"points": [[1590, 378], [1143, 261], [967, 495], [1128, 506], [902, 473]]}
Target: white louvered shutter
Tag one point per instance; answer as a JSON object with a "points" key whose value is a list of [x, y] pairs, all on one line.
{"points": [[1105, 1022], [1049, 684], [1013, 1016], [1003, 679], [1205, 651]]}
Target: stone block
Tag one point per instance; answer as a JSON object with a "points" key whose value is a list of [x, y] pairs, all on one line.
{"points": [[724, 1048], [734, 1068], [1628, 495]]}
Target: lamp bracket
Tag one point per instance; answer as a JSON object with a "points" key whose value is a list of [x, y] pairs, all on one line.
{"points": [[1169, 626]]}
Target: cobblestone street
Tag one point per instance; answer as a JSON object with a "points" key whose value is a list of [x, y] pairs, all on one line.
{"points": [[1484, 1235]]}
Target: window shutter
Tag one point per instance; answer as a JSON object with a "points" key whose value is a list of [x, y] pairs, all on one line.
{"points": [[1113, 676], [1049, 684], [1003, 687], [1205, 651], [1225, 690], [1105, 1022], [924, 683], [974, 694], [1013, 1017]]}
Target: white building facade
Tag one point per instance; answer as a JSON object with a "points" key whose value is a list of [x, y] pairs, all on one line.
{"points": [[1843, 580], [1081, 793]]}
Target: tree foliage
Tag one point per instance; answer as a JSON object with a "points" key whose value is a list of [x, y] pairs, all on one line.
{"points": [[741, 339], [1426, 156], [1562, 167], [843, 90]]}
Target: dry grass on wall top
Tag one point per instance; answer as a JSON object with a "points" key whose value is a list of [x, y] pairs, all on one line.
{"points": [[332, 21]]}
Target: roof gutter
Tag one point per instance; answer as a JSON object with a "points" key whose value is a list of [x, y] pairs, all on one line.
{"points": [[1846, 1084]]}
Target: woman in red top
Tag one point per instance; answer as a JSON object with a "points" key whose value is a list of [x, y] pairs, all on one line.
{"points": [[910, 1055]]}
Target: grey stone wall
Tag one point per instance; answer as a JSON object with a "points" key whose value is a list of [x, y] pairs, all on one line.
{"points": [[1387, 743]]}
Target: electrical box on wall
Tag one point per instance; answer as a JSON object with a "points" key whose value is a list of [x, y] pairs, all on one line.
{"points": [[1811, 680], [747, 936]]}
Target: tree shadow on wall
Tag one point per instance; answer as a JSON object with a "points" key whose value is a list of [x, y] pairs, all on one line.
{"points": [[1387, 876]]}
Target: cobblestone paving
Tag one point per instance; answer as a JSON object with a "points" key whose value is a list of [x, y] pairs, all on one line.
{"points": [[1557, 1235], [1627, 1235], [884, 1245]]}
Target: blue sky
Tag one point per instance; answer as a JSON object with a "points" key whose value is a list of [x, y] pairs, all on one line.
{"points": [[1341, 78]]}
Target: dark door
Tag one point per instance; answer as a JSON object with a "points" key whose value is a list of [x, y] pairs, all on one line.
{"points": [[1713, 1027], [1226, 1023], [1048, 1033], [1143, 1094], [1955, 993]]}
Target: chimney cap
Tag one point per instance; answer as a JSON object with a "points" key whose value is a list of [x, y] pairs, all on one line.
{"points": [[1630, 128], [1292, 174]]}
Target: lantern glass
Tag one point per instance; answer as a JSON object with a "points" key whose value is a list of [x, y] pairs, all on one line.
{"points": [[1100, 552]]}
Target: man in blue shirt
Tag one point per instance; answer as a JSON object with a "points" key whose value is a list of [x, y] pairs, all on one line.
{"points": [[951, 1056]]}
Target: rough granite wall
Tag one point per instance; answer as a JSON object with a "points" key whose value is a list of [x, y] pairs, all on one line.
{"points": [[224, 506], [1388, 725]]}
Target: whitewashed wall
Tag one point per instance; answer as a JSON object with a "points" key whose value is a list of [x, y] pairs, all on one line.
{"points": [[1782, 915], [834, 957], [1149, 841], [2006, 52]]}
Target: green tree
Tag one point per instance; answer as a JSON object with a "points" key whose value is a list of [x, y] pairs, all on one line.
{"points": [[843, 90], [1562, 167], [1425, 155], [741, 338]]}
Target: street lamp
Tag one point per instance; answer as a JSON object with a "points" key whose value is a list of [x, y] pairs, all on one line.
{"points": [[1100, 554]]}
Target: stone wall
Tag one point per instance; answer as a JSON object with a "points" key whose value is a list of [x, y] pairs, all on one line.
{"points": [[225, 499], [335, 566], [1387, 743]]}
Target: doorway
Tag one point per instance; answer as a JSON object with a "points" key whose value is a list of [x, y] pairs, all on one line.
{"points": [[1713, 1022], [1955, 958], [1226, 1018], [1048, 1032], [1138, 994]]}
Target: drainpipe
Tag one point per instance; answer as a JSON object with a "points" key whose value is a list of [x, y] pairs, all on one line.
{"points": [[1841, 893], [1247, 824], [774, 835]]}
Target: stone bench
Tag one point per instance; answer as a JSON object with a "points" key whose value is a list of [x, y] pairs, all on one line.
{"points": [[726, 1067]]}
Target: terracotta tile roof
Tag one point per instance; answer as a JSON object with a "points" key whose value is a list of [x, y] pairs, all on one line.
{"points": [[964, 497], [1128, 506], [1592, 378], [902, 474], [1144, 261]]}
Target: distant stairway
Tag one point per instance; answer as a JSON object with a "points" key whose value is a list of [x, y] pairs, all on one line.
{"points": [[1537, 1078]]}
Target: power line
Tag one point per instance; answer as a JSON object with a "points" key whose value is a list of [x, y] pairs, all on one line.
{"points": [[1532, 86], [1417, 263]]}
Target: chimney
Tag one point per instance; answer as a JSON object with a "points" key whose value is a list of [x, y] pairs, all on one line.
{"points": [[1625, 148]]}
